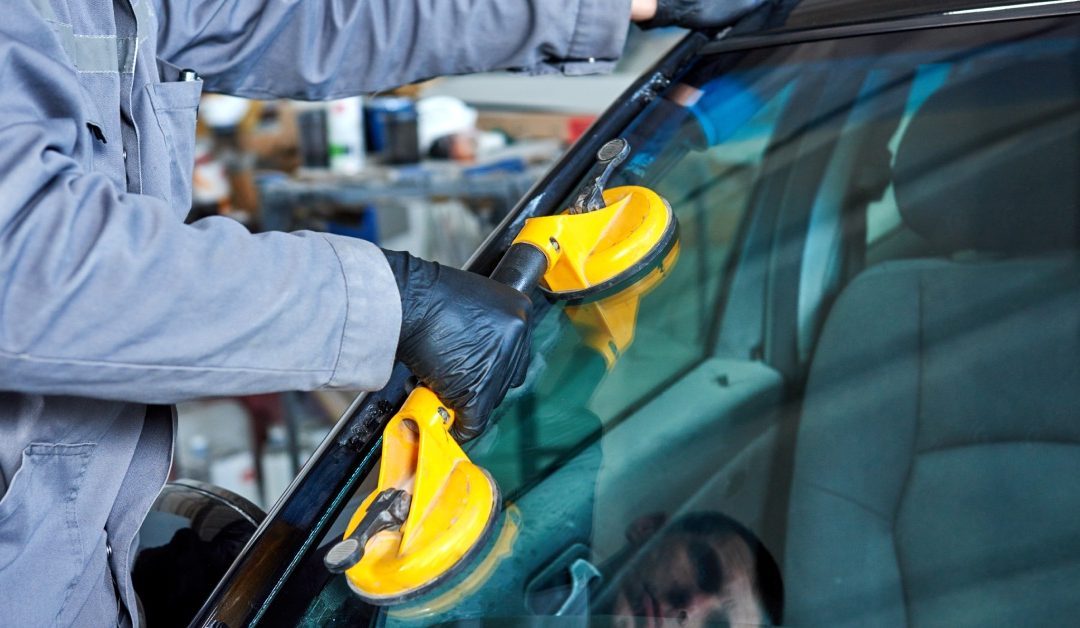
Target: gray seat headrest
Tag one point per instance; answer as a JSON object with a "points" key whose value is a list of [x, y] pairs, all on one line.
{"points": [[991, 162]]}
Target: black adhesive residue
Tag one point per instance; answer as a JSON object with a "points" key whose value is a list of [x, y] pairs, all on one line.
{"points": [[373, 417]]}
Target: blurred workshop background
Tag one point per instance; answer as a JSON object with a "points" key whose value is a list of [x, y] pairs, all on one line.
{"points": [[429, 168]]}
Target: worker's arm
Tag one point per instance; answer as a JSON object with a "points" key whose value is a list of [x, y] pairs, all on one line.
{"points": [[328, 48], [109, 295]]}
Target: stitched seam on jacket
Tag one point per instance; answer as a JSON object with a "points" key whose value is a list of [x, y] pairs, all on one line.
{"points": [[348, 303], [25, 357], [72, 518], [577, 31]]}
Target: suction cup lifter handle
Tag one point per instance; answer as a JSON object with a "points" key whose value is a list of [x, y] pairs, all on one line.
{"points": [[522, 267], [387, 512]]}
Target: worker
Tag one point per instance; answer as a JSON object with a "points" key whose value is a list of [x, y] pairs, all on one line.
{"points": [[111, 307]]}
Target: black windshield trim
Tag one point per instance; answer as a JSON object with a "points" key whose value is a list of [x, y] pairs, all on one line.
{"points": [[947, 19]]}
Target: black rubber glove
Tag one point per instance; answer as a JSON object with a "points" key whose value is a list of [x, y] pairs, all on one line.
{"points": [[700, 14], [464, 336]]}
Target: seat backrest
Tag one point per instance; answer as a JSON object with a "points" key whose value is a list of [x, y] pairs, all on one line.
{"points": [[937, 465]]}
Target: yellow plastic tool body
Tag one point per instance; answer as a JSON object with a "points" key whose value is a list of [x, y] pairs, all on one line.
{"points": [[453, 503], [590, 249]]}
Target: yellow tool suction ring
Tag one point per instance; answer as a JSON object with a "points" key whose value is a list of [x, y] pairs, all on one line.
{"points": [[475, 552]]}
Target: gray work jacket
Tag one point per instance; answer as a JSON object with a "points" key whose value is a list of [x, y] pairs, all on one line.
{"points": [[112, 307]]}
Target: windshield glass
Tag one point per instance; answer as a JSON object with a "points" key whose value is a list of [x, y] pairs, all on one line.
{"points": [[853, 397]]}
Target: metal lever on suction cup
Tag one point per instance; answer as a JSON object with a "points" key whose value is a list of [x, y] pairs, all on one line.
{"points": [[387, 512], [525, 262], [608, 158]]}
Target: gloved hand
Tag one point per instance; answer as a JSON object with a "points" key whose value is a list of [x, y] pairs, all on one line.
{"points": [[463, 335], [699, 14]]}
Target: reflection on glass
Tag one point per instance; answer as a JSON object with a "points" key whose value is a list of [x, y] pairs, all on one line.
{"points": [[704, 569]]}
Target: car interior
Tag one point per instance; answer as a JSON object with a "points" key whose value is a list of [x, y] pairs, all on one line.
{"points": [[943, 390]]}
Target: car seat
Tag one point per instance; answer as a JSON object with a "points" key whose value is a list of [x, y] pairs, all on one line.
{"points": [[936, 476]]}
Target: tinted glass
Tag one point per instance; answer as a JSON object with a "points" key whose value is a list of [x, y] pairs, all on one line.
{"points": [[853, 398]]}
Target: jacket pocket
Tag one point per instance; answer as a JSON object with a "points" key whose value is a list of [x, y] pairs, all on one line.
{"points": [[41, 552], [176, 106]]}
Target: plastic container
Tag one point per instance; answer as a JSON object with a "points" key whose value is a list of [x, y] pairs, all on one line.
{"points": [[393, 132], [311, 122], [345, 135]]}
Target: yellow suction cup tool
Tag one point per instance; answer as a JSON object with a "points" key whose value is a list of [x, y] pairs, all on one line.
{"points": [[596, 252], [433, 507]]}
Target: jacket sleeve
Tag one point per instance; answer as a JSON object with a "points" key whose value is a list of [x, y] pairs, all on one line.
{"points": [[108, 295], [317, 49]]}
